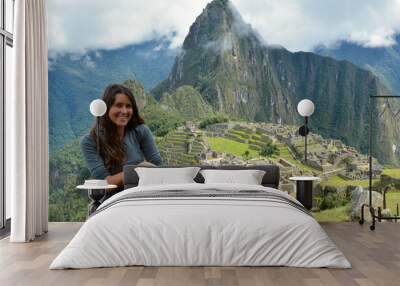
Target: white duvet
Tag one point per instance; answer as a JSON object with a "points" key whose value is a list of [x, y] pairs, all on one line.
{"points": [[200, 231]]}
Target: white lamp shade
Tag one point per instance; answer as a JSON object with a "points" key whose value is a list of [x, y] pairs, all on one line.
{"points": [[98, 107], [305, 107]]}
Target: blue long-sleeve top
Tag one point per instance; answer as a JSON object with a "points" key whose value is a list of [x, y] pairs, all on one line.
{"points": [[138, 145]]}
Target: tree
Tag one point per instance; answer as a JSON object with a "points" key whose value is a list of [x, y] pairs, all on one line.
{"points": [[269, 149], [213, 120], [246, 155], [161, 121]]}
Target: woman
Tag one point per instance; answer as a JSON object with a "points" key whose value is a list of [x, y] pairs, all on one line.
{"points": [[124, 139]]}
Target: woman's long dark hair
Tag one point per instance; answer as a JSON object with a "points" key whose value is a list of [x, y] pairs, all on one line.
{"points": [[111, 148]]}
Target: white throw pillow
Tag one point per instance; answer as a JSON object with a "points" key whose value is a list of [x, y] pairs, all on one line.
{"points": [[166, 176], [248, 177]]}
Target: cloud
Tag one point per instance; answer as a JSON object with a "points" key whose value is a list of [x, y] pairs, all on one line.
{"points": [[77, 26], [304, 24]]}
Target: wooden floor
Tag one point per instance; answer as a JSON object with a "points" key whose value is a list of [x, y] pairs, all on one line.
{"points": [[375, 257]]}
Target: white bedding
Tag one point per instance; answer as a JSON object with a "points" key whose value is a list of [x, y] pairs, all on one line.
{"points": [[200, 231]]}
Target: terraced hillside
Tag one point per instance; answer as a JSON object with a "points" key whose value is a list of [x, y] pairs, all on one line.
{"points": [[181, 147], [239, 138], [242, 134]]}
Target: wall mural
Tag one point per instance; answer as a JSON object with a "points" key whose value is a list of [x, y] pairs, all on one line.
{"points": [[226, 98]]}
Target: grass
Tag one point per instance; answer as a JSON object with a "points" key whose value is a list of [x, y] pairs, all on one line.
{"points": [[392, 199], [241, 134], [340, 182], [230, 146], [392, 172], [337, 181], [335, 214]]}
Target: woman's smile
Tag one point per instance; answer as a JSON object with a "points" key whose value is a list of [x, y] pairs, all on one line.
{"points": [[123, 116], [121, 111]]}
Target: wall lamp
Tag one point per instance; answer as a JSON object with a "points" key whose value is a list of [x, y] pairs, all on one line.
{"points": [[98, 108], [305, 108]]}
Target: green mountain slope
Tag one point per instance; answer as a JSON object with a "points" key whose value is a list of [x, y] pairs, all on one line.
{"points": [[383, 62], [188, 102]]}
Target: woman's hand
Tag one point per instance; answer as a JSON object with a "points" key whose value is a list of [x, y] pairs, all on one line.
{"points": [[117, 179]]}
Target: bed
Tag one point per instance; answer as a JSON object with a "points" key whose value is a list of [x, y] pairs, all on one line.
{"points": [[201, 224]]}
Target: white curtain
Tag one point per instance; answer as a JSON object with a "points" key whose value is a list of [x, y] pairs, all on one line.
{"points": [[27, 124]]}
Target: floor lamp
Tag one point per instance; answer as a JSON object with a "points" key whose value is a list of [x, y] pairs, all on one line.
{"points": [[305, 108], [374, 215]]}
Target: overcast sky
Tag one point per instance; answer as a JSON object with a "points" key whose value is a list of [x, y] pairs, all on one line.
{"points": [[80, 25]]}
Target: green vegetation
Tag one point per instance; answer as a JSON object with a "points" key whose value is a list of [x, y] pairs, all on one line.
{"points": [[141, 96], [246, 155], [161, 121], [269, 149], [229, 146], [69, 203], [187, 102], [331, 199], [340, 182], [212, 120], [392, 172], [67, 170], [336, 214], [392, 199], [382, 61]]}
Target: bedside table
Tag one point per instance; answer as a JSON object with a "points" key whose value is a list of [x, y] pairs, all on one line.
{"points": [[304, 187], [95, 195]]}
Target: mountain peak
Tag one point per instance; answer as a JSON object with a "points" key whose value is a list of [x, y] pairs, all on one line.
{"points": [[221, 3], [219, 19]]}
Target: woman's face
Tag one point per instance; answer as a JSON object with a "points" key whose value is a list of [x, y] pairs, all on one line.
{"points": [[121, 111]]}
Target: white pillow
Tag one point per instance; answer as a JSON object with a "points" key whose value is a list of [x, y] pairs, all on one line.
{"points": [[248, 177], [166, 176]]}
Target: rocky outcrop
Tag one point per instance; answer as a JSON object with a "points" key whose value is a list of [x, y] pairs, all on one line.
{"points": [[359, 196]]}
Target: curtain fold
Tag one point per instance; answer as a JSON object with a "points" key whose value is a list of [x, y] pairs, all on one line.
{"points": [[27, 132]]}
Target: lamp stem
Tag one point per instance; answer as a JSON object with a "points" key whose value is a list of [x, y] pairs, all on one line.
{"points": [[98, 135], [305, 138], [370, 152]]}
